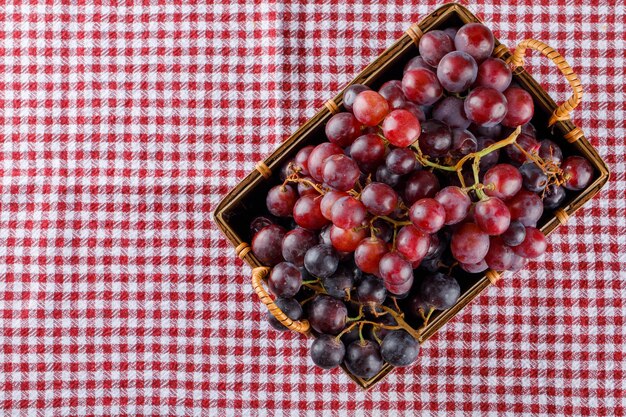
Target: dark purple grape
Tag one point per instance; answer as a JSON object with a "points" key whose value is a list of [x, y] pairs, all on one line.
{"points": [[340, 283], [533, 177], [379, 198], [399, 348], [342, 129], [401, 161], [290, 307], [266, 245], [415, 110], [385, 176], [285, 280], [451, 111], [515, 234], [327, 352], [553, 197], [529, 129], [491, 159], [436, 138], [463, 143], [350, 94], [296, 243], [439, 291], [386, 319], [259, 223], [550, 151], [384, 231], [492, 132], [420, 184], [327, 314], [371, 290], [321, 261], [363, 359], [368, 151]]}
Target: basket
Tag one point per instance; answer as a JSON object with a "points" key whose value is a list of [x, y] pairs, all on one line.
{"points": [[235, 211]]}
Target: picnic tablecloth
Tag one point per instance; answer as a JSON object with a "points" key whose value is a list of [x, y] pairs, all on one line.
{"points": [[124, 123]]}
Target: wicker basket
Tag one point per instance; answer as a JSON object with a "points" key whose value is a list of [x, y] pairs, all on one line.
{"points": [[236, 210]]}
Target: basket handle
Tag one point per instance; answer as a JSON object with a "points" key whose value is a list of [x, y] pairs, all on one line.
{"points": [[517, 60], [258, 274]]}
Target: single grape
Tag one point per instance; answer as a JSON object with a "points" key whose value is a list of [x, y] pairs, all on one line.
{"points": [[327, 352], [327, 314], [578, 172], [281, 199], [290, 307], [526, 207], [494, 73], [296, 243], [321, 261], [415, 110], [553, 197], [533, 177], [417, 62], [259, 223], [529, 129], [463, 143], [318, 156], [457, 71], [417, 307], [518, 263], [492, 216], [502, 181], [455, 202], [518, 157], [370, 108], [451, 111], [394, 269], [420, 184], [307, 213], [340, 172], [342, 129], [368, 254], [500, 256], [301, 161], [328, 200], [515, 234], [475, 268], [285, 280], [399, 348], [340, 283], [428, 215], [383, 230], [368, 151], [485, 106], [412, 243], [550, 151], [436, 138], [348, 212], [401, 128], [439, 291], [346, 240], [385, 176], [520, 107], [266, 245], [469, 243], [350, 93], [476, 39], [370, 290], [379, 198], [533, 246], [433, 45], [401, 161], [392, 92], [421, 86], [363, 359]]}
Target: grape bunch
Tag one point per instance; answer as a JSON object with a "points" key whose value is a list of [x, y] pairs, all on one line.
{"points": [[433, 176]]}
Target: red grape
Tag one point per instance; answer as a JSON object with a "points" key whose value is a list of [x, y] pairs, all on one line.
{"points": [[451, 111], [342, 129], [475, 268], [412, 243], [301, 160], [469, 244], [348, 212], [266, 245], [428, 215], [436, 138], [455, 202], [492, 215], [494, 73], [421, 86], [485, 106], [379, 198], [305, 188], [578, 172], [518, 263], [457, 71], [307, 213], [502, 181], [420, 184], [285, 280], [318, 156], [527, 143], [328, 200], [417, 62], [529, 129], [433, 45], [394, 269], [367, 255], [349, 95], [392, 91], [281, 199], [346, 240], [368, 150], [533, 246], [492, 132], [451, 32], [296, 243], [259, 223], [526, 207], [415, 110], [520, 107], [370, 108], [550, 151], [491, 159], [401, 161], [476, 39], [340, 172], [499, 256], [401, 128]]}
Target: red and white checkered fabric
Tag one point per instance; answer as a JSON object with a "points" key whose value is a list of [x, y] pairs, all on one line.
{"points": [[122, 125]]}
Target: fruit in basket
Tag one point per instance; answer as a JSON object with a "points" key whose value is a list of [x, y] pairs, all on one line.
{"points": [[399, 348], [401, 128], [327, 314], [485, 106], [578, 172], [421, 86], [475, 39], [434, 45], [363, 358], [290, 307], [494, 73], [457, 71], [327, 352], [370, 108]]}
